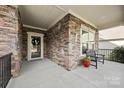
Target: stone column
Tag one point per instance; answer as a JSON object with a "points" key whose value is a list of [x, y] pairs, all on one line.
{"points": [[74, 44], [96, 40], [10, 35]]}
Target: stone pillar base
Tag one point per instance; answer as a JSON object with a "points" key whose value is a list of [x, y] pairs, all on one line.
{"points": [[72, 66], [15, 74], [16, 69]]}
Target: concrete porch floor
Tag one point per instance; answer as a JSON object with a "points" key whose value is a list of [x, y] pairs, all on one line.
{"points": [[46, 74]]}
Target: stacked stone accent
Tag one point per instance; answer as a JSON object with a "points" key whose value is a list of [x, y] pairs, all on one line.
{"points": [[75, 24], [74, 41], [57, 39], [25, 42], [63, 41], [10, 35]]}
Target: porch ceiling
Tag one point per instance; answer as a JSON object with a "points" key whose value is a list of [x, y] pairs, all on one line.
{"points": [[100, 16]]}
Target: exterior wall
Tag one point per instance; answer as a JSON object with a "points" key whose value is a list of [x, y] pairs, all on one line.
{"points": [[74, 41], [10, 35], [25, 40], [63, 41], [75, 25], [57, 39]]}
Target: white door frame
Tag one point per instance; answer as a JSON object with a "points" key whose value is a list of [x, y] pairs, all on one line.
{"points": [[29, 45]]}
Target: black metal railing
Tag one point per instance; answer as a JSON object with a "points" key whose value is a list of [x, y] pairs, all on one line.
{"points": [[108, 55], [106, 52], [5, 70]]}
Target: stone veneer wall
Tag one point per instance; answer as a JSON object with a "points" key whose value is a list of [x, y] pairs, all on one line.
{"points": [[57, 39], [75, 25], [25, 42], [63, 41], [10, 35]]}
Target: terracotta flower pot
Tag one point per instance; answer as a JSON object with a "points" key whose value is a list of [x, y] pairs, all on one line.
{"points": [[86, 63]]}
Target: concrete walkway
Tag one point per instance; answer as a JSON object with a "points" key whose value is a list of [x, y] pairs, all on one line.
{"points": [[44, 73]]}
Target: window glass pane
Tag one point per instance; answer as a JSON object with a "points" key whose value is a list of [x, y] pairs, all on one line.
{"points": [[91, 36], [35, 47], [91, 40], [87, 40], [84, 47], [84, 37]]}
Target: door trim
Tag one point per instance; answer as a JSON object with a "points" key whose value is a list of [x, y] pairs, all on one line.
{"points": [[29, 44]]}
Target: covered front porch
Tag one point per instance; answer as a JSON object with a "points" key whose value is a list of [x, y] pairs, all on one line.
{"points": [[45, 73], [42, 37]]}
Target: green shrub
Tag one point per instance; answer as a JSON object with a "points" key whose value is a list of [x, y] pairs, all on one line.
{"points": [[117, 55]]}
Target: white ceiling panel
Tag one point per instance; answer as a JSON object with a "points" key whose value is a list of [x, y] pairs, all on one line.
{"points": [[40, 16], [43, 16], [101, 15]]}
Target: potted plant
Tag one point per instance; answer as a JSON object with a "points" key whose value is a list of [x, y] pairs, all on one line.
{"points": [[86, 61]]}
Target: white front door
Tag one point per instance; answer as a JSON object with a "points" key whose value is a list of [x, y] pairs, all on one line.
{"points": [[35, 46]]}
